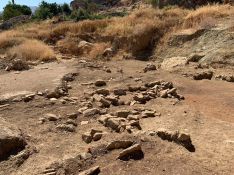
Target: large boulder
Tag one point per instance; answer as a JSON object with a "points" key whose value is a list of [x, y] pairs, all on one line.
{"points": [[11, 140]]}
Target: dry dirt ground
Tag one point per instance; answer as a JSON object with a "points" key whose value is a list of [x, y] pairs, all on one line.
{"points": [[206, 114]]}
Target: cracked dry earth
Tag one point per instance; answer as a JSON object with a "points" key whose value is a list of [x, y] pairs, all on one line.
{"points": [[187, 131]]}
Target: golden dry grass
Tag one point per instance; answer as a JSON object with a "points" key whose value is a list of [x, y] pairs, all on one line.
{"points": [[9, 39], [98, 50], [32, 50], [196, 17], [133, 33]]}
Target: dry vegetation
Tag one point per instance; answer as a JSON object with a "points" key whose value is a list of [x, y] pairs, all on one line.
{"points": [[32, 50], [140, 30], [196, 17]]}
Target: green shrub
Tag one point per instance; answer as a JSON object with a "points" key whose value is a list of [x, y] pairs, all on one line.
{"points": [[66, 9], [82, 14], [47, 10], [13, 10]]}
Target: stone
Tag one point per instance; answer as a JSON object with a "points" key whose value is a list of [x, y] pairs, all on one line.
{"points": [[84, 122], [11, 139], [180, 138], [143, 88], [119, 92], [108, 52], [130, 152], [91, 112], [94, 131], [51, 117], [53, 99], [100, 83], [148, 113], [152, 84], [203, 75], [135, 123], [172, 91], [113, 123], [105, 103], [28, 97], [104, 92], [72, 115], [84, 46], [122, 113], [87, 137], [97, 136], [66, 127], [133, 117], [103, 119], [113, 99], [133, 88], [72, 122], [70, 77], [141, 98], [119, 144], [150, 67], [163, 93], [173, 62], [85, 156], [92, 171]]}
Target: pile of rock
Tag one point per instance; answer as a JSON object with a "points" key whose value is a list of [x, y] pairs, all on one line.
{"points": [[105, 98], [93, 135], [153, 90], [17, 65], [228, 78], [126, 120], [69, 125]]}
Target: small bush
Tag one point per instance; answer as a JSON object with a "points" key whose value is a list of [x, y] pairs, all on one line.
{"points": [[13, 10], [82, 14], [32, 50], [47, 10]]}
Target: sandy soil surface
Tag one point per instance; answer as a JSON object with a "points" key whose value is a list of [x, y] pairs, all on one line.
{"points": [[206, 114]]}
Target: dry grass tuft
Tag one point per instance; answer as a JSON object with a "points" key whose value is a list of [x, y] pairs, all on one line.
{"points": [[196, 17], [98, 50], [86, 26], [32, 50], [9, 39]]}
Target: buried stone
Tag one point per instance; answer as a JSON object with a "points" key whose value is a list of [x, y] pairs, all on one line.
{"points": [[133, 152], [92, 171], [183, 139]]}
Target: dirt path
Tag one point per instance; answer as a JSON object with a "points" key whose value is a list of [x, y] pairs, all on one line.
{"points": [[46, 76]]}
